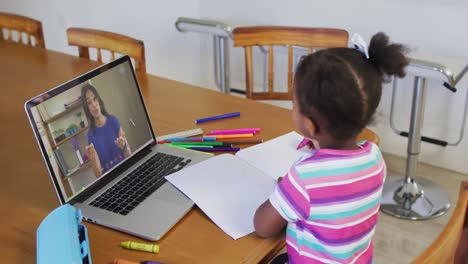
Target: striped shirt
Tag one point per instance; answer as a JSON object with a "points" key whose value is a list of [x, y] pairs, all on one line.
{"points": [[331, 201]]}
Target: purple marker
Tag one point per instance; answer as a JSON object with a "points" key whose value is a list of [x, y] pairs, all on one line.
{"points": [[215, 149], [211, 118]]}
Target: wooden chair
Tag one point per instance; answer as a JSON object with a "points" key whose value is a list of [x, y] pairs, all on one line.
{"points": [[451, 246], [115, 43], [270, 36], [21, 24]]}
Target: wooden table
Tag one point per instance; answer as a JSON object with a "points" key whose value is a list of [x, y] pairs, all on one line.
{"points": [[26, 192]]}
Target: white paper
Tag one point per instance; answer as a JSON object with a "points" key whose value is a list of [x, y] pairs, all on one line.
{"points": [[227, 189], [275, 157]]}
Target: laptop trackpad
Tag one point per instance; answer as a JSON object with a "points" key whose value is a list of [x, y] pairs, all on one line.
{"points": [[169, 194]]}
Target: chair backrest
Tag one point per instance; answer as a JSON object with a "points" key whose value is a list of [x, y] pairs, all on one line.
{"points": [[270, 36], [24, 26], [114, 43], [451, 246]]}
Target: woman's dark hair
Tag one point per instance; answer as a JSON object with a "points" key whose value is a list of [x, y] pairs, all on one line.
{"points": [[343, 87], [88, 87]]}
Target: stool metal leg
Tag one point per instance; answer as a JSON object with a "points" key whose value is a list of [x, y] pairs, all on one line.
{"points": [[406, 198]]}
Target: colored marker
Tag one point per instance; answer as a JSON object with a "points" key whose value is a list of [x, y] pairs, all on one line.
{"points": [[207, 143], [192, 146], [233, 136], [151, 262], [303, 143], [212, 118], [215, 149], [123, 261], [153, 248], [243, 141], [235, 131], [203, 152], [191, 139], [170, 141]]}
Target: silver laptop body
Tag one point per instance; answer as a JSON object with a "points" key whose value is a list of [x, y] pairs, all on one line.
{"points": [[73, 174]]}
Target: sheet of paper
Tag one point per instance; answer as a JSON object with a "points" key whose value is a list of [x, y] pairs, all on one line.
{"points": [[275, 157], [227, 189]]}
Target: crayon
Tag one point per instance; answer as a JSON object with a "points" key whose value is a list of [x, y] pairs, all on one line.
{"points": [[153, 248]]}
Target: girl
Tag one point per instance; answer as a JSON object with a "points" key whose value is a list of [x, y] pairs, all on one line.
{"points": [[330, 200]]}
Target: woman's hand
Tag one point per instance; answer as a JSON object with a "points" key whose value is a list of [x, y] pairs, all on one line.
{"points": [[91, 152], [94, 159], [121, 141]]}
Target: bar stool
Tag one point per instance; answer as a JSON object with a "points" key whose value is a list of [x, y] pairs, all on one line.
{"points": [[422, 199]]}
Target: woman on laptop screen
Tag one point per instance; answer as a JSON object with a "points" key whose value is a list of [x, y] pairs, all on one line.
{"points": [[107, 144]]}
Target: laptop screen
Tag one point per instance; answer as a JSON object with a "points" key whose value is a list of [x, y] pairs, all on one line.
{"points": [[90, 125]]}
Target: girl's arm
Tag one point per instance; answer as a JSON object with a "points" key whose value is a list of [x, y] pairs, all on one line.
{"points": [[267, 221]]}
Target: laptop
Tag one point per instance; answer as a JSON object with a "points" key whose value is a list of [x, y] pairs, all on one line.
{"points": [[98, 143]]}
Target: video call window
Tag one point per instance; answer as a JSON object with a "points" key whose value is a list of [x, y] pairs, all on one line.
{"points": [[92, 127]]}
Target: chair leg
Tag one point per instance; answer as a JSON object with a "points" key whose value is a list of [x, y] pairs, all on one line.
{"points": [[407, 198], [280, 259]]}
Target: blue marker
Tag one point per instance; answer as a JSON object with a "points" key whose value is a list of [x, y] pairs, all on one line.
{"points": [[198, 121]]}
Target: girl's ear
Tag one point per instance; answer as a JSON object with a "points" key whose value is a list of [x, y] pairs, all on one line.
{"points": [[311, 127]]}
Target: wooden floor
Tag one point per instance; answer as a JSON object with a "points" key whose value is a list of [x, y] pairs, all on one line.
{"points": [[400, 241]]}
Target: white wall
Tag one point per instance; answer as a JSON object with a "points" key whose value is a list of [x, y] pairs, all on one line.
{"points": [[433, 29], [168, 53]]}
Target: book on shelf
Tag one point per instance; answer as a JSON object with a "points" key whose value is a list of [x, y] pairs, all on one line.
{"points": [[72, 103], [229, 188], [43, 112], [61, 162]]}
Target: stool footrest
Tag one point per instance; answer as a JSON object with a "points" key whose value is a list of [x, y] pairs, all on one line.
{"points": [[428, 139], [405, 198]]}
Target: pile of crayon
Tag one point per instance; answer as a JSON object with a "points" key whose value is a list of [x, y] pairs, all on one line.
{"points": [[216, 140]]}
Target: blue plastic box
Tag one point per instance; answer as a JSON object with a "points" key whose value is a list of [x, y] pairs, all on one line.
{"points": [[62, 239]]}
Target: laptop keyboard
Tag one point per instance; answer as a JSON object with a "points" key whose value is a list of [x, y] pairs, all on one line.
{"points": [[134, 188]]}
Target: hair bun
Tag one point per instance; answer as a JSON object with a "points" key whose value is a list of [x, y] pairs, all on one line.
{"points": [[388, 58]]}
